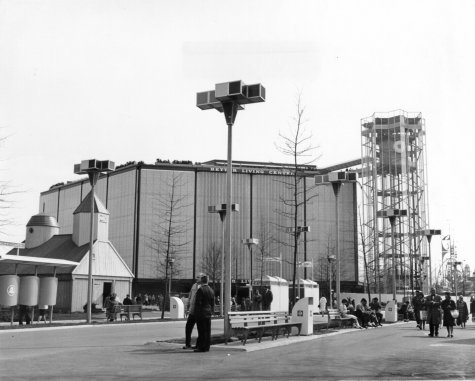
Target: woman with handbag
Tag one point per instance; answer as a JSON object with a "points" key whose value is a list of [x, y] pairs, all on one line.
{"points": [[450, 313]]}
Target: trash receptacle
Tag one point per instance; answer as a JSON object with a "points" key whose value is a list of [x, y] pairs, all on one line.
{"points": [[302, 312], [390, 312], [177, 309]]}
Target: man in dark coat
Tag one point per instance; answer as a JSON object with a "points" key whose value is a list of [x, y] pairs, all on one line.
{"points": [[432, 303], [127, 301], [204, 308], [267, 298]]}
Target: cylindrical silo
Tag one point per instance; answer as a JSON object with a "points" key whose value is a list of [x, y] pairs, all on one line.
{"points": [[29, 287], [9, 286], [48, 291]]}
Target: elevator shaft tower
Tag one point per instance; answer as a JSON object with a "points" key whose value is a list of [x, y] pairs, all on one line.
{"points": [[394, 177]]}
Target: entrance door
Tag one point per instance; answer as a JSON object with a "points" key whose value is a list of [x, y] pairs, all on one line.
{"points": [[106, 291]]}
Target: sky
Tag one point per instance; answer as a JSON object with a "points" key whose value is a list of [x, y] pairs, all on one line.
{"points": [[117, 80]]}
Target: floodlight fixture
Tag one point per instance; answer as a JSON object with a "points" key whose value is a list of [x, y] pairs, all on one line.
{"points": [[298, 230], [336, 179], [428, 233], [93, 168], [229, 98], [93, 165]]}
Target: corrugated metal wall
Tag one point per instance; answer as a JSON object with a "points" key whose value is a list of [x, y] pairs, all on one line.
{"points": [[266, 191], [155, 197], [121, 206]]}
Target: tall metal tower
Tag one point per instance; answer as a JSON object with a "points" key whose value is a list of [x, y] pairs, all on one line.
{"points": [[394, 177]]}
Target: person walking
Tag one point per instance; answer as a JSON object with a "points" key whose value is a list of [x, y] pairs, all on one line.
{"points": [[418, 304], [190, 310], [448, 305], [204, 308], [432, 303], [463, 312]]}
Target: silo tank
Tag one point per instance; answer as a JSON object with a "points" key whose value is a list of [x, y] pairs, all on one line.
{"points": [[29, 287], [9, 287], [48, 291]]}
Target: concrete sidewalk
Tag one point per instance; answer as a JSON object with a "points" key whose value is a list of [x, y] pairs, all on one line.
{"points": [[253, 345], [97, 318]]}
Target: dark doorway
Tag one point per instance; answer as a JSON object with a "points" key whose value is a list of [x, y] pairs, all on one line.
{"points": [[106, 291]]}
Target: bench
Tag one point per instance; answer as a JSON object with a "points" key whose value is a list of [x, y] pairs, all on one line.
{"points": [[127, 311], [335, 318], [130, 311], [244, 322]]}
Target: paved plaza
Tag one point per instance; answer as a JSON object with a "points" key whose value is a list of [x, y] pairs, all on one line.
{"points": [[151, 350]]}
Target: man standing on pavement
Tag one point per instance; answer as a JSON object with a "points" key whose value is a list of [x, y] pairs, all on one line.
{"points": [[190, 308], [204, 308], [433, 312]]}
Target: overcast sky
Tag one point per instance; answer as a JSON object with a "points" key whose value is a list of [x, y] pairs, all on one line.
{"points": [[117, 80]]}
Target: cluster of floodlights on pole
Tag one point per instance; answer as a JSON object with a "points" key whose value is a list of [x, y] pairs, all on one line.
{"points": [[221, 210], [93, 168], [428, 233], [392, 215], [336, 179], [228, 98]]}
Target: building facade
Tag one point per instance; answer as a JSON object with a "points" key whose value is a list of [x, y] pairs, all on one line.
{"points": [[154, 205]]}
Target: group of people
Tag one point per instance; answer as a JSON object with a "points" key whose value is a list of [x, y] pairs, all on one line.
{"points": [[200, 308], [431, 309], [260, 301], [441, 311], [364, 315]]}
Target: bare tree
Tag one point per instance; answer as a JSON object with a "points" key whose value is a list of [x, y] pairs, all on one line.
{"points": [[211, 263], [169, 234], [263, 249], [7, 193], [297, 145]]}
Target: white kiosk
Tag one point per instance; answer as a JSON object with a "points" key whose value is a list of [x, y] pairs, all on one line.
{"points": [[390, 312], [177, 309], [303, 313]]}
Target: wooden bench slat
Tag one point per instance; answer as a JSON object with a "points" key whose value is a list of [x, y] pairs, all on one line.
{"points": [[259, 322]]}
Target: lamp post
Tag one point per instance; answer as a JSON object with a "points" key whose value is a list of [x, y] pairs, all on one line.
{"points": [[330, 259], [456, 263], [392, 214], [229, 97], [336, 179], [171, 261], [250, 243], [296, 232], [221, 210], [93, 168], [428, 233]]}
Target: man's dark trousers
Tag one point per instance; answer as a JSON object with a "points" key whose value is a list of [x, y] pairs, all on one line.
{"points": [[204, 334], [190, 323], [434, 329]]}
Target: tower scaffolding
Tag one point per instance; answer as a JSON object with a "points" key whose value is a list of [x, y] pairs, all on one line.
{"points": [[393, 177]]}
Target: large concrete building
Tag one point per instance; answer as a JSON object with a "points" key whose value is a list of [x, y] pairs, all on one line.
{"points": [[142, 200]]}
